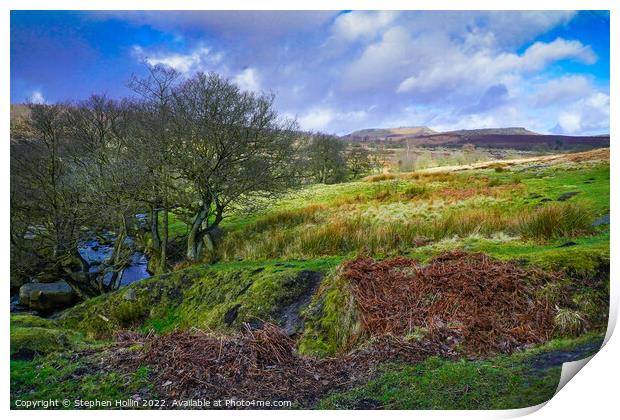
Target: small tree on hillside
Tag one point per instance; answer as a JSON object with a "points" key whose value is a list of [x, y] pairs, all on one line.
{"points": [[46, 200], [234, 150], [358, 161], [325, 155], [152, 146]]}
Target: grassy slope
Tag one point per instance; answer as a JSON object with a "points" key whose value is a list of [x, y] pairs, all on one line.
{"points": [[502, 382], [263, 254]]}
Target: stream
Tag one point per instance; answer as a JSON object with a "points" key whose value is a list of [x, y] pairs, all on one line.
{"points": [[97, 250]]}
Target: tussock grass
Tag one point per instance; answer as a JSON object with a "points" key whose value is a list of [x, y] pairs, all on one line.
{"points": [[343, 234], [287, 218], [381, 177], [569, 322], [556, 220]]}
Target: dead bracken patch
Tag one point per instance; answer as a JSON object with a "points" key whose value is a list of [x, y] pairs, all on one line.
{"points": [[260, 365], [485, 304]]}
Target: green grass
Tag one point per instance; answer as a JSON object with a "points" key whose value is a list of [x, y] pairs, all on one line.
{"points": [[511, 214], [60, 378], [33, 336], [393, 215], [503, 382]]}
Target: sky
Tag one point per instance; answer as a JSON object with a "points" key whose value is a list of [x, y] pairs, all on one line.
{"points": [[339, 71]]}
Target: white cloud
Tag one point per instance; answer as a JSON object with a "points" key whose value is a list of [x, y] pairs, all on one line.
{"points": [[563, 89], [322, 118], [248, 80], [447, 70], [362, 24], [197, 59], [458, 70], [36, 97], [570, 122], [540, 53], [586, 116]]}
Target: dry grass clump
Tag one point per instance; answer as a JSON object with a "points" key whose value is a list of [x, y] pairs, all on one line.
{"points": [[287, 218], [379, 178], [569, 322], [342, 235], [470, 221], [556, 220]]}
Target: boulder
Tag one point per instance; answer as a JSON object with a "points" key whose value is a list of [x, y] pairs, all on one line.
{"points": [[47, 297]]}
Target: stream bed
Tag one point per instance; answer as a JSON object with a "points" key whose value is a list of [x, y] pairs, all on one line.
{"points": [[97, 250]]}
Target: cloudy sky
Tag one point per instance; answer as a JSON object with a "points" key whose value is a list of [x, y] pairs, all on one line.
{"points": [[340, 71]]}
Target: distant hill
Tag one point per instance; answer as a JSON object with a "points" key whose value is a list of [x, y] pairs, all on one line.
{"points": [[505, 131], [503, 137], [387, 133], [515, 141]]}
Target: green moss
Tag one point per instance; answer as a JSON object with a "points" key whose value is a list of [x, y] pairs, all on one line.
{"points": [[27, 320], [60, 378], [202, 296], [32, 336], [30, 341], [332, 324]]}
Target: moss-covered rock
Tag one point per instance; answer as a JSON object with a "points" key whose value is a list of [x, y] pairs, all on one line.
{"points": [[221, 296], [332, 322], [28, 342], [28, 320]]}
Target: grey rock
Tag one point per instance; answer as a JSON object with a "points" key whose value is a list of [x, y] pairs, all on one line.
{"points": [[290, 318], [603, 220], [567, 195], [47, 297], [130, 295]]}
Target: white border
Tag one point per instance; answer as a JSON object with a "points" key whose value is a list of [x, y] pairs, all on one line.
{"points": [[593, 394]]}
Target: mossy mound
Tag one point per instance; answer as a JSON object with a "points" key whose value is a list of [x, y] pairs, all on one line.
{"points": [[332, 322], [32, 336], [221, 296], [28, 320]]}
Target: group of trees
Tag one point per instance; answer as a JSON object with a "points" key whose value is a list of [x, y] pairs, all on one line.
{"points": [[329, 160], [199, 148], [201, 145]]}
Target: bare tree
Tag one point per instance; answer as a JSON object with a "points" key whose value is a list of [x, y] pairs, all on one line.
{"points": [[325, 154], [358, 161], [234, 150], [46, 200], [153, 145]]}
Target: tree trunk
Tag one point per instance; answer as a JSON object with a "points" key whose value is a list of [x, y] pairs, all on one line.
{"points": [[199, 234], [195, 235], [164, 242], [155, 229]]}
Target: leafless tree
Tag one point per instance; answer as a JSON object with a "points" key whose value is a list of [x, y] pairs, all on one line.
{"points": [[153, 145], [234, 151], [326, 162]]}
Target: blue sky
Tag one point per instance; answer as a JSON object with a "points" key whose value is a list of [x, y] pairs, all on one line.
{"points": [[340, 71]]}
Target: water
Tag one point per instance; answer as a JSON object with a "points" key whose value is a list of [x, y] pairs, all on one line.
{"points": [[95, 252]]}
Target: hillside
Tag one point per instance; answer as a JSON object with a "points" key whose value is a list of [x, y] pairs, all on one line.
{"points": [[517, 138], [344, 296], [505, 131], [389, 133]]}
